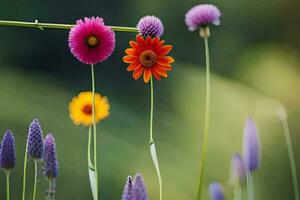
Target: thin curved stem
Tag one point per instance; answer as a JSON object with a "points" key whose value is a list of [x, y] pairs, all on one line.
{"points": [[206, 121], [89, 147], [35, 180], [283, 119], [7, 173], [43, 26], [152, 145], [94, 128], [24, 173]]}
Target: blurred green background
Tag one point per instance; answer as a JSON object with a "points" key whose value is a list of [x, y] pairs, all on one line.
{"points": [[256, 69]]}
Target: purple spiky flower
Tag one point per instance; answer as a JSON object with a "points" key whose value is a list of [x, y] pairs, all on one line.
{"points": [[216, 191], [50, 157], [127, 192], [238, 170], [150, 26], [202, 15], [135, 189], [251, 146], [8, 152], [35, 140]]}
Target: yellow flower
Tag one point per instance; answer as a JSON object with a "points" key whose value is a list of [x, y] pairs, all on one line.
{"points": [[80, 108]]}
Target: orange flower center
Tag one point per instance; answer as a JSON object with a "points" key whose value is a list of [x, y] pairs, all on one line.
{"points": [[148, 58], [92, 41], [87, 109]]}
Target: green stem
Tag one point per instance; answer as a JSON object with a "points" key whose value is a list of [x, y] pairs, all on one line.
{"points": [[49, 189], [206, 121], [43, 26], [7, 173], [237, 192], [94, 127], [283, 118], [250, 189], [35, 180], [89, 147], [24, 173], [152, 145]]}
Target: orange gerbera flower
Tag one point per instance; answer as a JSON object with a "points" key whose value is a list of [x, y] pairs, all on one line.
{"points": [[148, 57]]}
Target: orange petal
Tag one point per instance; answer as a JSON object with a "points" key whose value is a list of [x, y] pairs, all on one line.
{"points": [[137, 73], [165, 50], [131, 51], [140, 41], [130, 59], [161, 72], [133, 67], [166, 60], [147, 75], [155, 74], [133, 44], [165, 68]]}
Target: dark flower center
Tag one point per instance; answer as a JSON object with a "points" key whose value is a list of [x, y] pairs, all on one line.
{"points": [[148, 58], [87, 109], [92, 41]]}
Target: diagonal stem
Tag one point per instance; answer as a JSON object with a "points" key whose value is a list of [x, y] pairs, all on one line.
{"points": [[35, 180], [206, 121], [24, 172], [43, 26], [283, 119], [152, 145]]}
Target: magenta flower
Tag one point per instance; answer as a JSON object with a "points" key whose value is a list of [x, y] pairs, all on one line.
{"points": [[90, 41], [150, 26], [202, 15]]}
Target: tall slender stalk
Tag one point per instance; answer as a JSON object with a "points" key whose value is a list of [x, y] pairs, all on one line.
{"points": [[151, 142], [7, 173], [206, 121], [237, 192], [35, 180], [250, 188], [24, 172], [94, 128], [284, 122], [42, 26]]}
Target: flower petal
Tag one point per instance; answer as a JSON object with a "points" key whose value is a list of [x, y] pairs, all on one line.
{"points": [[133, 67], [165, 50], [166, 60], [138, 73], [130, 59], [147, 75]]}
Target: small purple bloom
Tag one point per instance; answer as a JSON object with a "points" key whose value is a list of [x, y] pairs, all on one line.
{"points": [[127, 193], [150, 26], [202, 15], [135, 189], [238, 170], [216, 191], [8, 152], [50, 157], [251, 146], [35, 140]]}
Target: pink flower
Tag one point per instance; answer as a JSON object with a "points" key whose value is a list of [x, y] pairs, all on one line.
{"points": [[90, 41]]}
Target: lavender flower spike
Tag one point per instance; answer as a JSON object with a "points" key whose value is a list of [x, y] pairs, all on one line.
{"points": [[251, 146], [127, 193], [8, 152], [135, 189], [50, 157], [202, 15], [238, 170], [216, 191], [35, 140], [150, 26]]}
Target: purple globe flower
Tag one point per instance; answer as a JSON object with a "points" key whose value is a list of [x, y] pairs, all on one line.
{"points": [[8, 152], [251, 146], [216, 191], [238, 170], [50, 157], [150, 26], [135, 189], [202, 15], [35, 140], [127, 193]]}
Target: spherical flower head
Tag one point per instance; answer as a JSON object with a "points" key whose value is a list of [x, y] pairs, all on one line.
{"points": [[251, 146], [90, 41], [50, 157], [8, 152], [238, 170], [202, 15], [150, 26], [127, 192], [148, 57], [35, 140], [81, 112], [216, 191]]}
